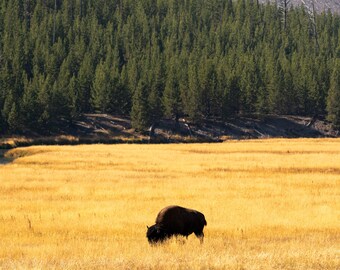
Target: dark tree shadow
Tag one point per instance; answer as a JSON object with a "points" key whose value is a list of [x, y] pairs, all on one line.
{"points": [[3, 159]]}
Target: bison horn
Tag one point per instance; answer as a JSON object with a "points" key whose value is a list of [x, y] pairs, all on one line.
{"points": [[147, 226]]}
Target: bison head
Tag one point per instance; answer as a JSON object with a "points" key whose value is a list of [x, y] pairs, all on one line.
{"points": [[155, 234]]}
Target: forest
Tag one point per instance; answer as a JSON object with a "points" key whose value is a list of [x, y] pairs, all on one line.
{"points": [[154, 59]]}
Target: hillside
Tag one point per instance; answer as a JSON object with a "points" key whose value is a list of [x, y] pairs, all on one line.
{"points": [[106, 128], [325, 5], [243, 127], [320, 5], [151, 60]]}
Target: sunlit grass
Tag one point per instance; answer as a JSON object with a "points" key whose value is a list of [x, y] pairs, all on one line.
{"points": [[269, 204]]}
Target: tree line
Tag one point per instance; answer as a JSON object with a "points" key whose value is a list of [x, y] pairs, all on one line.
{"points": [[152, 59]]}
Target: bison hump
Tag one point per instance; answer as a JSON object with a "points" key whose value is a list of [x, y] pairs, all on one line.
{"points": [[176, 214]]}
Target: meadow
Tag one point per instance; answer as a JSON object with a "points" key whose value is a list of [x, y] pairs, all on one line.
{"points": [[269, 204]]}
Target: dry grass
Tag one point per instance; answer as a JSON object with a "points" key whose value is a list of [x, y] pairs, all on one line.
{"points": [[269, 204], [13, 142]]}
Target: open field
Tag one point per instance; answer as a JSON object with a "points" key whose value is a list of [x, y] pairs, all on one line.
{"points": [[269, 204]]}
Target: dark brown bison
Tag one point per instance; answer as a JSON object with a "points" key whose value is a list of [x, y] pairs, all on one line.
{"points": [[176, 220]]}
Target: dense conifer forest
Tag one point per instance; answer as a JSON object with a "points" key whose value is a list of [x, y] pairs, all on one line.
{"points": [[154, 59]]}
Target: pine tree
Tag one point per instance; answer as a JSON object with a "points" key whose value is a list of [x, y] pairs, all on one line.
{"points": [[126, 91], [249, 85], [14, 120], [45, 101], [333, 99], [205, 91], [118, 92], [85, 77], [171, 96], [74, 98], [193, 101], [140, 117], [155, 96], [276, 90], [60, 105], [30, 106], [101, 91]]}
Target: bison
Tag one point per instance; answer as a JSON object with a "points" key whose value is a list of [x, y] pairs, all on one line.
{"points": [[176, 220]]}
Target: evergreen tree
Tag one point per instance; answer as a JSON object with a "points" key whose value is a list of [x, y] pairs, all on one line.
{"points": [[276, 89], [172, 97], [45, 101], [85, 77], [101, 90], [14, 120], [155, 96], [249, 84], [30, 105], [60, 105], [140, 117], [193, 100], [125, 90], [333, 99], [74, 98]]}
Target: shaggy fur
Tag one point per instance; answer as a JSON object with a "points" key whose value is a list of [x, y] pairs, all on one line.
{"points": [[176, 220]]}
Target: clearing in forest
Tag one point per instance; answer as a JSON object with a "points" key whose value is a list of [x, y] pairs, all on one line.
{"points": [[269, 204]]}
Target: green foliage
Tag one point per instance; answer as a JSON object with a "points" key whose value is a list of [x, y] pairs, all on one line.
{"points": [[333, 99], [154, 99], [140, 117], [14, 118], [164, 58], [172, 97], [85, 77], [101, 92]]}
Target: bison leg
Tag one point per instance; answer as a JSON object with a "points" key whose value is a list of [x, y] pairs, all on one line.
{"points": [[200, 235]]}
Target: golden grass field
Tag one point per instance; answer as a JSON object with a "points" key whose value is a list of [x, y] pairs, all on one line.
{"points": [[269, 204]]}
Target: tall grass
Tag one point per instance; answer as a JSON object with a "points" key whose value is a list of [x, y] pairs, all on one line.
{"points": [[269, 204]]}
